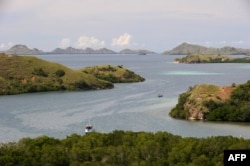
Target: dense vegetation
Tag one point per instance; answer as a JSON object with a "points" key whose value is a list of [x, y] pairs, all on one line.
{"points": [[237, 108], [26, 74], [120, 148], [199, 58], [210, 103]]}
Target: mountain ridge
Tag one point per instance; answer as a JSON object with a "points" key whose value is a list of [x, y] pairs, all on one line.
{"points": [[186, 48], [21, 49], [182, 49]]}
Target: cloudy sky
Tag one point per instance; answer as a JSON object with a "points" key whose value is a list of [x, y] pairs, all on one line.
{"points": [[157, 25]]}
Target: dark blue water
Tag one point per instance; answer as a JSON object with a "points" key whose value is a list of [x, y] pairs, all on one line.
{"points": [[132, 106]]}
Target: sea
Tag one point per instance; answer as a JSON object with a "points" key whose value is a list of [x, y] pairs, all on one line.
{"points": [[128, 106]]}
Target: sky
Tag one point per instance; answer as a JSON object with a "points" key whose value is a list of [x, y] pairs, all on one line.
{"points": [[156, 25]]}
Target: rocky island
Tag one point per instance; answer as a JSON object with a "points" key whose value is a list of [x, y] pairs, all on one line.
{"points": [[200, 58], [214, 103], [26, 74]]}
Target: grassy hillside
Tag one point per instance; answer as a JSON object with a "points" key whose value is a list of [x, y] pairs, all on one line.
{"points": [[213, 102], [114, 74], [25, 74]]}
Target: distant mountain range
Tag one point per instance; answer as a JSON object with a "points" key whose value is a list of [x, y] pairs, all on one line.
{"points": [[186, 48], [24, 50], [182, 49]]}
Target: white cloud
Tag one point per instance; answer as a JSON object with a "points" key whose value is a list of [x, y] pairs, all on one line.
{"points": [[4, 46], [86, 41], [65, 42], [123, 40]]}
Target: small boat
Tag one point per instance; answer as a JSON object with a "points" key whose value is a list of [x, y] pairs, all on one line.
{"points": [[160, 95], [88, 128]]}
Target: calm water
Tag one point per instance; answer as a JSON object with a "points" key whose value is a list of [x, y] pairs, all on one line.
{"points": [[133, 106]]}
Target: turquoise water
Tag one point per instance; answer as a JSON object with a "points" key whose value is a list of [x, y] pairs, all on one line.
{"points": [[188, 73]]}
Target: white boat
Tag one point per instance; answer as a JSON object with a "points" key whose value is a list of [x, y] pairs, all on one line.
{"points": [[88, 128]]}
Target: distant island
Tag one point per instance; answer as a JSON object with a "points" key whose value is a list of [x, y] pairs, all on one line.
{"points": [[24, 50], [182, 49], [186, 48], [214, 103], [199, 58], [27, 74]]}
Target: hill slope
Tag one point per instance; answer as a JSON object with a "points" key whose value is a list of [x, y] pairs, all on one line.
{"points": [[24, 74]]}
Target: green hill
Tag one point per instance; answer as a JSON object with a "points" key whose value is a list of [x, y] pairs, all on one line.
{"points": [[200, 58], [214, 103], [25, 74], [114, 74]]}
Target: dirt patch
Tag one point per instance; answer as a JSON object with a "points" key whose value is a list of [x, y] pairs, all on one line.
{"points": [[225, 92]]}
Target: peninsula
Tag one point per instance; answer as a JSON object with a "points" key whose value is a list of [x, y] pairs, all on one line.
{"points": [[200, 58], [214, 103], [26, 74]]}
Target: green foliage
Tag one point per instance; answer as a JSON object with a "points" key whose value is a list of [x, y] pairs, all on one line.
{"points": [[81, 84], [120, 148], [178, 111], [60, 73], [237, 108], [40, 72]]}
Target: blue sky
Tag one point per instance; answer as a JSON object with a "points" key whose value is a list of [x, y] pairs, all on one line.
{"points": [[157, 25]]}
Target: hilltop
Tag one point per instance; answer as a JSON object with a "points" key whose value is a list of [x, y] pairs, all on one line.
{"points": [[26, 74], [211, 102], [23, 50], [186, 48]]}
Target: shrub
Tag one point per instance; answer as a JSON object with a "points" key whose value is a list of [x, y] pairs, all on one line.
{"points": [[82, 85], [60, 73], [40, 72]]}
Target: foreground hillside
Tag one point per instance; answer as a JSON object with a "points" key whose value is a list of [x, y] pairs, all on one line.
{"points": [[214, 103], [120, 148], [25, 74]]}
